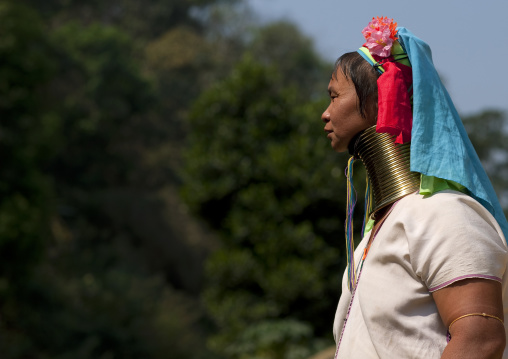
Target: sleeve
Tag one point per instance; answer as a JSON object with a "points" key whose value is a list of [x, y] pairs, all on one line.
{"points": [[452, 237]]}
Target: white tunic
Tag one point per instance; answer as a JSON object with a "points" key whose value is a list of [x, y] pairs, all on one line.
{"points": [[425, 244]]}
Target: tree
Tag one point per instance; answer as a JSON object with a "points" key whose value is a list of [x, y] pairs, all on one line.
{"points": [[261, 172], [488, 133], [114, 282], [27, 128], [108, 110], [79, 128], [144, 20], [282, 44]]}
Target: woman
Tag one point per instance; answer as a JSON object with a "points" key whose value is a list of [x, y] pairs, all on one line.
{"points": [[429, 278]]}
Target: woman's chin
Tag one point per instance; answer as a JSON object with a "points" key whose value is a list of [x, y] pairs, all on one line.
{"points": [[338, 146]]}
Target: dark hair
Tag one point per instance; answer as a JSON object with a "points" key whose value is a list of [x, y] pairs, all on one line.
{"points": [[363, 76]]}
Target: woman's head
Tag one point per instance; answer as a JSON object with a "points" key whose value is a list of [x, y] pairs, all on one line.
{"points": [[353, 100]]}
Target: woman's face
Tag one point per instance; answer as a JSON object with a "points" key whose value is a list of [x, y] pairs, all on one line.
{"points": [[342, 118]]}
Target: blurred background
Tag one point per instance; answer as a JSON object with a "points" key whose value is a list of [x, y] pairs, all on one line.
{"points": [[166, 187]]}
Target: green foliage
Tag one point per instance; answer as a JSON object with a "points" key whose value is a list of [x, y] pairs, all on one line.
{"points": [[145, 19], [80, 130], [260, 170], [107, 108], [177, 60], [270, 339], [116, 313], [109, 129], [283, 44], [489, 135], [26, 128]]}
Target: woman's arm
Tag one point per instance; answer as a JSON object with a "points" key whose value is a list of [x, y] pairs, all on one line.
{"points": [[474, 337]]}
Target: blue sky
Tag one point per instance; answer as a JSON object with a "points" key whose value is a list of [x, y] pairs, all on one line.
{"points": [[468, 38]]}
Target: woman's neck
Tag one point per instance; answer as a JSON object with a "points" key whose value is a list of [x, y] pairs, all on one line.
{"points": [[387, 166]]}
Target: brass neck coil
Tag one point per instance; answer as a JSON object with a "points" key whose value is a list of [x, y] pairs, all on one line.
{"points": [[387, 165]]}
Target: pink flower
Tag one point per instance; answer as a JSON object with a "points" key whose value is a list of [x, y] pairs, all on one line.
{"points": [[380, 34]]}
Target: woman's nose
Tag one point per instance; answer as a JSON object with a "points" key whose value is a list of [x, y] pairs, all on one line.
{"points": [[325, 116]]}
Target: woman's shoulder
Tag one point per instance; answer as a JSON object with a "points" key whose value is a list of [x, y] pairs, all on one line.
{"points": [[446, 211], [445, 208], [443, 201]]}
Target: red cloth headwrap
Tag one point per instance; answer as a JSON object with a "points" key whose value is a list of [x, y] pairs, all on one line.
{"points": [[395, 115]]}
